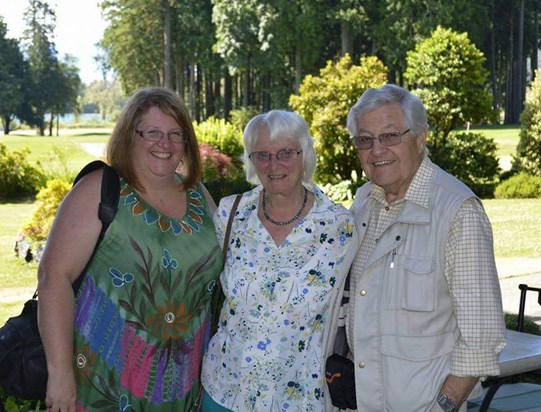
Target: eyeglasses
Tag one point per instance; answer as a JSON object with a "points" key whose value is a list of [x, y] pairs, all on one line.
{"points": [[283, 156], [386, 139], [155, 135]]}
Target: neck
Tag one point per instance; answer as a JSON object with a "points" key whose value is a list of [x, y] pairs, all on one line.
{"points": [[283, 222]]}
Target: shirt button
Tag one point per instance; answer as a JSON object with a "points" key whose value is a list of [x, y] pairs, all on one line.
{"points": [[362, 364], [363, 292], [387, 208], [169, 317]]}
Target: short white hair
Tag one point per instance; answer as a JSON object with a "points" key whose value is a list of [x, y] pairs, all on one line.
{"points": [[279, 124]]}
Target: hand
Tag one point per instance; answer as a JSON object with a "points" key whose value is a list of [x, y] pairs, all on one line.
{"points": [[61, 392], [458, 388]]}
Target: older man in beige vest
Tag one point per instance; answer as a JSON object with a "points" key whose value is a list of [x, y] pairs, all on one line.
{"points": [[425, 319]]}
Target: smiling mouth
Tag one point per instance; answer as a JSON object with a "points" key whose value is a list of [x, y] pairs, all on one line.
{"points": [[383, 163], [161, 155], [273, 177]]}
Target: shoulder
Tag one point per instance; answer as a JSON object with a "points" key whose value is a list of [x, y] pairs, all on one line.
{"points": [[208, 197]]}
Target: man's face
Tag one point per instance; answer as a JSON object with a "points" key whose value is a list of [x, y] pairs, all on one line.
{"points": [[391, 167]]}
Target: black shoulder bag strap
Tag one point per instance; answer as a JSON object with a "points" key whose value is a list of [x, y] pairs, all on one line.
{"points": [[110, 192]]}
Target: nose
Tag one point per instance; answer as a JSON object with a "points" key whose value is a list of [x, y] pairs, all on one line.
{"points": [[378, 147]]}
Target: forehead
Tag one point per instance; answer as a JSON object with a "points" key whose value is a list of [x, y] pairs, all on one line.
{"points": [[156, 117], [264, 142], [382, 118]]}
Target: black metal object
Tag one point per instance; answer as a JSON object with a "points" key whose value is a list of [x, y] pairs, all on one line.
{"points": [[491, 392]]}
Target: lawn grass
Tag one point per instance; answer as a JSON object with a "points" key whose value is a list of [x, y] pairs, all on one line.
{"points": [[506, 137], [69, 142]]}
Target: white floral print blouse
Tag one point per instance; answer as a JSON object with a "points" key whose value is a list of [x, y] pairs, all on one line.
{"points": [[268, 352]]}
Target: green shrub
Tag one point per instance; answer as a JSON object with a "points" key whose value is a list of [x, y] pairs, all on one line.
{"points": [[47, 202], [9, 403], [471, 158], [511, 322], [222, 136], [528, 157], [241, 116], [224, 186], [17, 176], [520, 186], [342, 191], [55, 165]]}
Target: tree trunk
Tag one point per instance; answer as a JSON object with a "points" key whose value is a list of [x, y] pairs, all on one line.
{"points": [[7, 121], [346, 41], [535, 42], [298, 68], [265, 93], [191, 91], [495, 98], [520, 82], [198, 92], [228, 95], [167, 77]]}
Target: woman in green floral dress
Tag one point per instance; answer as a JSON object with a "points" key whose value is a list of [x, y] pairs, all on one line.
{"points": [[134, 336]]}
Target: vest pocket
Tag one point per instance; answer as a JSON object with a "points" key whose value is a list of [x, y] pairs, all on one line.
{"points": [[418, 284]]}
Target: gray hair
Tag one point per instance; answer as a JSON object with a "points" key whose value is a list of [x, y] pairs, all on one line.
{"points": [[412, 107], [280, 124]]}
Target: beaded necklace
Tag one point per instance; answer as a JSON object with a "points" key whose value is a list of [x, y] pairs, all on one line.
{"points": [[287, 222]]}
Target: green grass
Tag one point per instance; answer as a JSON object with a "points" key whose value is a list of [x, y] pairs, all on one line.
{"points": [[516, 224], [506, 137], [69, 142]]}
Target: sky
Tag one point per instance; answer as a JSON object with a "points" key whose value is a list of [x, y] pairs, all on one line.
{"points": [[79, 27]]}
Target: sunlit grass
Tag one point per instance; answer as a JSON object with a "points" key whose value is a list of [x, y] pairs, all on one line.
{"points": [[516, 224]]}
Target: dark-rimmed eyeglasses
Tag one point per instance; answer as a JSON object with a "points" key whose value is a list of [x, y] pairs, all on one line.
{"points": [[155, 135], [283, 156], [365, 142]]}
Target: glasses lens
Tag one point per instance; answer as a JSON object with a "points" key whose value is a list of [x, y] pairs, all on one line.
{"points": [[152, 135], [176, 136], [390, 139], [363, 142], [285, 155]]}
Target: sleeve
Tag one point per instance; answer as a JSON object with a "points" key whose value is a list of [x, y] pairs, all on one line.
{"points": [[475, 291]]}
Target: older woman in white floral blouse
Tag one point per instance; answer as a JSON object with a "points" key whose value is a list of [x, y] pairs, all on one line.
{"points": [[290, 251]]}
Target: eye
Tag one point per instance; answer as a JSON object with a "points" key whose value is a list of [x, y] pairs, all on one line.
{"points": [[176, 135], [364, 139], [153, 133], [262, 155], [285, 154], [389, 136]]}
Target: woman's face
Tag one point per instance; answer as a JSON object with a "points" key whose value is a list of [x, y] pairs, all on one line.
{"points": [[155, 157], [278, 176]]}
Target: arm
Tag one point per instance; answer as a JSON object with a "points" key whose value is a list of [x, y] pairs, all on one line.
{"points": [[210, 200], [475, 290], [69, 246]]}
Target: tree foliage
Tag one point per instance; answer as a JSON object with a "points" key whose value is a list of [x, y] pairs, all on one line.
{"points": [[528, 158], [446, 71], [11, 77], [472, 158], [324, 102]]}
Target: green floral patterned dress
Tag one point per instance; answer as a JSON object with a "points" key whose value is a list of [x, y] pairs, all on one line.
{"points": [[142, 314]]}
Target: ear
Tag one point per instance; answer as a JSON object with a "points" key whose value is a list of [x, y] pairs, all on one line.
{"points": [[421, 140]]}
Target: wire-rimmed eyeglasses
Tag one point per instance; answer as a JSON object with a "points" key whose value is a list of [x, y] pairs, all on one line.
{"points": [[283, 156], [365, 142], [155, 135]]}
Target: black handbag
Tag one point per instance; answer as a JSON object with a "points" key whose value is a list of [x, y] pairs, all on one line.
{"points": [[340, 376], [23, 367]]}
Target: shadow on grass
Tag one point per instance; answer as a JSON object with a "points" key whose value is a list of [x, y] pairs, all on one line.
{"points": [[18, 201]]}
